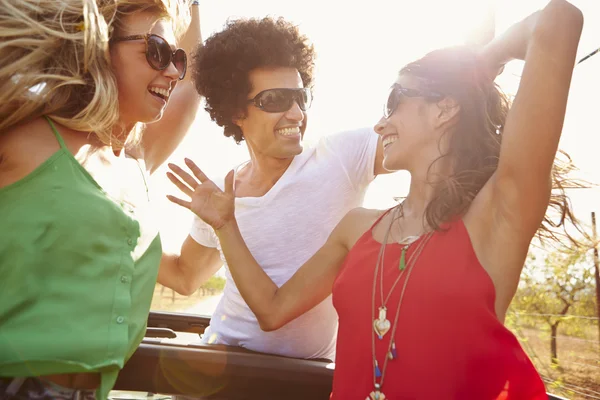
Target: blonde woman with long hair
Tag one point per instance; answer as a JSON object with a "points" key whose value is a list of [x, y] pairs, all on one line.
{"points": [[94, 96]]}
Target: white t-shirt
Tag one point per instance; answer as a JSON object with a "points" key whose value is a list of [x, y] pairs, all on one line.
{"points": [[283, 229]]}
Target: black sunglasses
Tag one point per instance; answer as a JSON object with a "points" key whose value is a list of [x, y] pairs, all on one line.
{"points": [[397, 92], [159, 54], [282, 99]]}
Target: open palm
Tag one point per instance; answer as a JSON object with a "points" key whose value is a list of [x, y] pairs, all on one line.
{"points": [[207, 201]]}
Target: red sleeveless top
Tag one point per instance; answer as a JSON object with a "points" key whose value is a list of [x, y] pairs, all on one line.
{"points": [[449, 342]]}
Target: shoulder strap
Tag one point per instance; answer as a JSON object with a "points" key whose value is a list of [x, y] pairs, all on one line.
{"points": [[55, 131], [381, 217]]}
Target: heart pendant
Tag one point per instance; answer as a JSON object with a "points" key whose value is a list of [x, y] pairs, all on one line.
{"points": [[376, 395], [381, 327]]}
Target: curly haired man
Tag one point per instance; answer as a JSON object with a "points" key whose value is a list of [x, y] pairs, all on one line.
{"points": [[256, 76]]}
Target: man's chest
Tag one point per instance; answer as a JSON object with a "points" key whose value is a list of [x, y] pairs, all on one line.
{"points": [[297, 220]]}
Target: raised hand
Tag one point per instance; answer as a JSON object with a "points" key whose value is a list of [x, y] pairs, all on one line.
{"points": [[511, 45], [207, 201]]}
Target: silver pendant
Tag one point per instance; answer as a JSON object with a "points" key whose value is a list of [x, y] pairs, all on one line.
{"points": [[381, 325], [376, 395]]}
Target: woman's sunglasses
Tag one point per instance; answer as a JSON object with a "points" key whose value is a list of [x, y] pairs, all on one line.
{"points": [[282, 99], [159, 54], [397, 92]]}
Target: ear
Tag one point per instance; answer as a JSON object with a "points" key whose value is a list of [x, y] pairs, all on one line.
{"points": [[238, 120], [447, 110]]}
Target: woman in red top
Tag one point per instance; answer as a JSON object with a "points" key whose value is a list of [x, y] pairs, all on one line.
{"points": [[422, 289]]}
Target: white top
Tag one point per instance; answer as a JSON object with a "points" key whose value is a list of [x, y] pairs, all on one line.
{"points": [[283, 229]]}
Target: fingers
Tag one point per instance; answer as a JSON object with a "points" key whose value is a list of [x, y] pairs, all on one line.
{"points": [[229, 182], [187, 178], [196, 170], [182, 203], [180, 185]]}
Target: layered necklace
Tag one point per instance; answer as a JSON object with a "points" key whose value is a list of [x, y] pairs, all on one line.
{"points": [[381, 325]]}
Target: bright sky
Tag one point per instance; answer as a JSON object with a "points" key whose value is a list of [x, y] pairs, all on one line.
{"points": [[360, 48]]}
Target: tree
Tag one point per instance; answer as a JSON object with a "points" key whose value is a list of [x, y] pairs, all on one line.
{"points": [[212, 285], [555, 286]]}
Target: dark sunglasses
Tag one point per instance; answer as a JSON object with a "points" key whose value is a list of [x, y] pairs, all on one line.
{"points": [[159, 54], [282, 99], [397, 92]]}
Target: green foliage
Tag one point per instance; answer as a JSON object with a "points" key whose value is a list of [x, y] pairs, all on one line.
{"points": [[215, 283], [562, 283], [557, 289]]}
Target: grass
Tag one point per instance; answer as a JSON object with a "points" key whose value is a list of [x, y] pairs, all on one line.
{"points": [[577, 374]]}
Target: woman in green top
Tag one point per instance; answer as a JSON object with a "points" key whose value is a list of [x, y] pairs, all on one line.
{"points": [[80, 83]]}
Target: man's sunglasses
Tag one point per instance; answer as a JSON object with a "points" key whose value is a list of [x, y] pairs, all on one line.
{"points": [[397, 92], [282, 99], [159, 54]]}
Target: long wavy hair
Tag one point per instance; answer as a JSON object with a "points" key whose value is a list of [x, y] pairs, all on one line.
{"points": [[474, 144], [55, 60]]}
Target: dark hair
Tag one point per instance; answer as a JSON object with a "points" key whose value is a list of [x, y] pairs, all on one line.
{"points": [[220, 69], [474, 146]]}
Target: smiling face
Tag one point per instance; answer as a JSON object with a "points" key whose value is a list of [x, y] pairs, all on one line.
{"points": [[411, 134], [143, 91], [278, 135]]}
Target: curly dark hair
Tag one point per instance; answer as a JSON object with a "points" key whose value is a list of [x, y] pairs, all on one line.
{"points": [[221, 68]]}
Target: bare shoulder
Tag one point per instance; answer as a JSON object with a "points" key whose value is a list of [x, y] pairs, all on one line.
{"points": [[363, 215], [355, 223], [27, 133], [23, 148]]}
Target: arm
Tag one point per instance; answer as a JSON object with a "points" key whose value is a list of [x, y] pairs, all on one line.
{"points": [[534, 124], [185, 273], [360, 152], [273, 306], [161, 138], [310, 285], [509, 209]]}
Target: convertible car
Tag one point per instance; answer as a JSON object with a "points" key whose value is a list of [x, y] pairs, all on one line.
{"points": [[171, 361]]}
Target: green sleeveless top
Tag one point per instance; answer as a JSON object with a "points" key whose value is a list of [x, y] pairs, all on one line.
{"points": [[77, 274]]}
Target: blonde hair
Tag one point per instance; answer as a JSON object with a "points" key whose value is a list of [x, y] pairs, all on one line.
{"points": [[55, 61]]}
